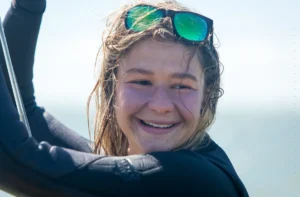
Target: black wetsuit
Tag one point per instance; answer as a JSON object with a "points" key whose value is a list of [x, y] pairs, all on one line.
{"points": [[56, 161]]}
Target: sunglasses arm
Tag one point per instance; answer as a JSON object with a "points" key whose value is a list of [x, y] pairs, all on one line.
{"points": [[212, 38]]}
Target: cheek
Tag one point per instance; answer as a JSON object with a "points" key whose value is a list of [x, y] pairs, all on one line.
{"points": [[190, 105], [129, 100]]}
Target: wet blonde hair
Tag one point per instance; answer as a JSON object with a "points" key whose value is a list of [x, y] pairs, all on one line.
{"points": [[117, 40]]}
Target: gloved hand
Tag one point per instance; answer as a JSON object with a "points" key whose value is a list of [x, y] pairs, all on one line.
{"points": [[31, 5]]}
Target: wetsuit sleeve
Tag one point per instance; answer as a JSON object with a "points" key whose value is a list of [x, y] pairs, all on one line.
{"points": [[22, 24], [32, 168]]}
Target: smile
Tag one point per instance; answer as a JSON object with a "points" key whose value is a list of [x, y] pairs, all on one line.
{"points": [[157, 128], [162, 126]]}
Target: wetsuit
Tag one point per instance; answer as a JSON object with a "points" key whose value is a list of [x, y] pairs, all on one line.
{"points": [[56, 161]]}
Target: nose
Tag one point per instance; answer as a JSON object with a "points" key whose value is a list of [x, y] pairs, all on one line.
{"points": [[161, 102]]}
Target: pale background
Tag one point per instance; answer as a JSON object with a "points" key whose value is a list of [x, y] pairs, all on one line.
{"points": [[258, 118]]}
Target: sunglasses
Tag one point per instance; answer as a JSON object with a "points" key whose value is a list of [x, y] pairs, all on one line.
{"points": [[188, 26]]}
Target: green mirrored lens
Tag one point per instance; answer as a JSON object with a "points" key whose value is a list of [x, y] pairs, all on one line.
{"points": [[191, 26], [140, 18]]}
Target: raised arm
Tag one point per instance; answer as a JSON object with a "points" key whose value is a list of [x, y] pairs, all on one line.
{"points": [[22, 25]]}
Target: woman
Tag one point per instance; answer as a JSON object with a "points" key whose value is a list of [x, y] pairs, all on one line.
{"points": [[155, 97]]}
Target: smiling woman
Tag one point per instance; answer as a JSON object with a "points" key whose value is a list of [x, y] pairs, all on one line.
{"points": [[158, 99], [155, 96]]}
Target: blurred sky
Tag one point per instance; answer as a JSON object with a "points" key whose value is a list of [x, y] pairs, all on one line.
{"points": [[259, 43], [259, 48]]}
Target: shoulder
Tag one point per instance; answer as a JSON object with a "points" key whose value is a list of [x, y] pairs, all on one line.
{"points": [[181, 171]]}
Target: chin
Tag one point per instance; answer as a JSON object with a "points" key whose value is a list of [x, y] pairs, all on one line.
{"points": [[148, 147], [156, 148]]}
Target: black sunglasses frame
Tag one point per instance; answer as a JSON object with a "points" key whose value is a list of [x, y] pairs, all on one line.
{"points": [[171, 14]]}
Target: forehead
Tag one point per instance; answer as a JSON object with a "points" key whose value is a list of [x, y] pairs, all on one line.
{"points": [[161, 56]]}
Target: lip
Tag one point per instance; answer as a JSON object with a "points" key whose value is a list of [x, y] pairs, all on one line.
{"points": [[157, 131], [159, 122]]}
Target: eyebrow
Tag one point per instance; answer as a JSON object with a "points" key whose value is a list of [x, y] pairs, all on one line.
{"points": [[174, 75], [140, 71]]}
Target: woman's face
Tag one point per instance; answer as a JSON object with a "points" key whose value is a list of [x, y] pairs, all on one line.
{"points": [[158, 96]]}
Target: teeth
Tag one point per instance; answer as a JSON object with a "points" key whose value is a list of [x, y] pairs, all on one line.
{"points": [[158, 125]]}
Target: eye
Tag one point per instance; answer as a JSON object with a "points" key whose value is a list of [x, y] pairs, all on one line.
{"points": [[142, 82], [181, 86]]}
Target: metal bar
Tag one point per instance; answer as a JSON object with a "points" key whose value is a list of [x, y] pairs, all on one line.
{"points": [[13, 81]]}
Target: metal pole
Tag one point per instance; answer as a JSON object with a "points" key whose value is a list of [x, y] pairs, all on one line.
{"points": [[13, 81]]}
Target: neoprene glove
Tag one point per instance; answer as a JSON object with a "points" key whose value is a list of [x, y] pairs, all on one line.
{"points": [[31, 5]]}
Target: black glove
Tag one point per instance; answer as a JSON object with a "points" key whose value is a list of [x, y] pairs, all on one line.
{"points": [[31, 5]]}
